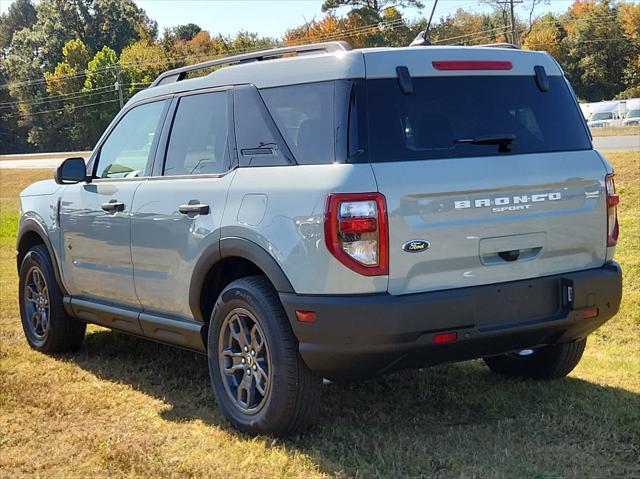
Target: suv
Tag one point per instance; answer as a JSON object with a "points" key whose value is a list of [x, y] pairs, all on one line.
{"points": [[320, 212]]}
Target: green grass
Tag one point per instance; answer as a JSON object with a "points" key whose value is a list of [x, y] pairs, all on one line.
{"points": [[124, 407]]}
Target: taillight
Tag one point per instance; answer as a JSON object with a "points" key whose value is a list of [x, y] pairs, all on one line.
{"points": [[612, 210], [356, 232]]}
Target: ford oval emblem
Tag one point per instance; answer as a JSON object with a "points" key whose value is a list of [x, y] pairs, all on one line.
{"points": [[415, 246]]}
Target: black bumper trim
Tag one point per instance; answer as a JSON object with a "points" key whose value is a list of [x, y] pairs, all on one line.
{"points": [[366, 335]]}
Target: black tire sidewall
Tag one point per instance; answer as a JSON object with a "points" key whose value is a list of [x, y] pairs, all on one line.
{"points": [[39, 257], [241, 294]]}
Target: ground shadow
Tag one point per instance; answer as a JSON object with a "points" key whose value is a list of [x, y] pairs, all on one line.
{"points": [[425, 423]]}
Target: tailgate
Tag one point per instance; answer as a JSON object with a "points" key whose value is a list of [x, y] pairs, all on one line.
{"points": [[492, 219]]}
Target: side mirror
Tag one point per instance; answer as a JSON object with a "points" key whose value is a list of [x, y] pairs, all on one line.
{"points": [[72, 170]]}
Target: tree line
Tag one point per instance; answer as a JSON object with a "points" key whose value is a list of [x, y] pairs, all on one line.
{"points": [[67, 64]]}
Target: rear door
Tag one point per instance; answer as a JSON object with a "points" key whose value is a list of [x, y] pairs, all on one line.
{"points": [[494, 173], [177, 213]]}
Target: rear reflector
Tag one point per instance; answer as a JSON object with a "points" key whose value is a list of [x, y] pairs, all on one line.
{"points": [[306, 316], [472, 65], [590, 313], [445, 338], [613, 229]]}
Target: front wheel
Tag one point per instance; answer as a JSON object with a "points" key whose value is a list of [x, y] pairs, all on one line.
{"points": [[46, 324], [258, 377], [548, 362]]}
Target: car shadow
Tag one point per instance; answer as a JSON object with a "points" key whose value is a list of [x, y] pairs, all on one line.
{"points": [[414, 423]]}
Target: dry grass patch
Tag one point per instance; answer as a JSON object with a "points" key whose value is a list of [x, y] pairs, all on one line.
{"points": [[616, 131], [124, 407]]}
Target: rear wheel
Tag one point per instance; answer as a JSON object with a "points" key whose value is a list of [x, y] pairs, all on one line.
{"points": [[46, 324], [548, 362], [258, 377]]}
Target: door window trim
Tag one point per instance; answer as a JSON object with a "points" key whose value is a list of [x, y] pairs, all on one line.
{"points": [[165, 136]]}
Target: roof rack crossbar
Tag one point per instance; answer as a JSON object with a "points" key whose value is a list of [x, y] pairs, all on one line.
{"points": [[180, 74]]}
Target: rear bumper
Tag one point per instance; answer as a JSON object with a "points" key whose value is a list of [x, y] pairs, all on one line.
{"points": [[357, 336]]}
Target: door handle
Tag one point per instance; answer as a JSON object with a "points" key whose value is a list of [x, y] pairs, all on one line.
{"points": [[194, 207], [113, 206]]}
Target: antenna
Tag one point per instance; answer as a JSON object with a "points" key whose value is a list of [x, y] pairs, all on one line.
{"points": [[422, 40]]}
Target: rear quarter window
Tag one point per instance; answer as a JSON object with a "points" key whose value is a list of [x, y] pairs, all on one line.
{"points": [[304, 115]]}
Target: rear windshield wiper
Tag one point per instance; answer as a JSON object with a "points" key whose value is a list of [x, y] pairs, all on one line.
{"points": [[503, 141]]}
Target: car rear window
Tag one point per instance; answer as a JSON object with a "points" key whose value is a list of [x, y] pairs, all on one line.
{"points": [[443, 115]]}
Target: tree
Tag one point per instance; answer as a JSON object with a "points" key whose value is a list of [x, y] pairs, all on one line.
{"points": [[186, 32], [39, 47], [398, 33], [630, 17], [118, 23], [141, 63], [547, 34], [12, 135], [465, 28], [360, 27], [21, 14], [598, 50], [329, 27], [377, 6], [64, 86], [100, 85]]}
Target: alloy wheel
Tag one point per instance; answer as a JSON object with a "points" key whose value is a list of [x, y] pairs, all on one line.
{"points": [[245, 361], [36, 303]]}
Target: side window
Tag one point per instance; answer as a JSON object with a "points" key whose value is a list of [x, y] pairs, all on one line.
{"points": [[125, 153], [259, 142], [199, 140], [305, 116]]}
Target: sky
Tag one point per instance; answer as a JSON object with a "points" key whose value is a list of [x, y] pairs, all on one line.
{"points": [[273, 17]]}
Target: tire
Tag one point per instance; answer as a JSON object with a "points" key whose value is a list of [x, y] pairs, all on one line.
{"points": [[46, 324], [286, 394], [548, 362]]}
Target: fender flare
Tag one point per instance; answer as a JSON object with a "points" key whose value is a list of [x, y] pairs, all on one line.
{"points": [[234, 247], [31, 225]]}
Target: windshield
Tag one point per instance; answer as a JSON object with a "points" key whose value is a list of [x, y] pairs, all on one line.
{"points": [[607, 115], [633, 114], [448, 117]]}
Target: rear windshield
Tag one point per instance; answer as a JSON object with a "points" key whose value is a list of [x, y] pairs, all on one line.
{"points": [[450, 117]]}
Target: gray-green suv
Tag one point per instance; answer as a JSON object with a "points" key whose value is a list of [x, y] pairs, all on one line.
{"points": [[320, 212]]}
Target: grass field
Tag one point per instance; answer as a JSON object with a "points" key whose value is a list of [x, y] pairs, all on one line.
{"points": [[124, 407], [617, 131]]}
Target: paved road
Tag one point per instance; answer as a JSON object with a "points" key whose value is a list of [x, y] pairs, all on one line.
{"points": [[628, 142], [38, 160], [42, 164]]}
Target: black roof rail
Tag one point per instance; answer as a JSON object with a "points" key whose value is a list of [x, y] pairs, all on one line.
{"points": [[499, 45], [179, 74]]}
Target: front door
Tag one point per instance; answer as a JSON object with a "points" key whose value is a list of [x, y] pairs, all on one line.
{"points": [[95, 216]]}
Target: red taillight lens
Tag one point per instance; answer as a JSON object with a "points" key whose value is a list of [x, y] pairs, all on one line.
{"points": [[356, 232], [472, 65], [612, 210]]}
